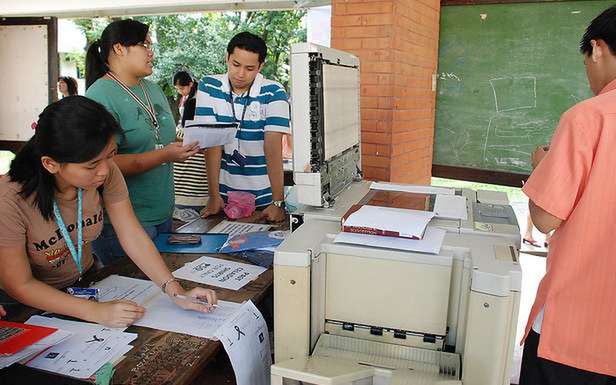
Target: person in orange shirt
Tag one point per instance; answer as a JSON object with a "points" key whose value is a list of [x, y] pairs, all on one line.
{"points": [[570, 336]]}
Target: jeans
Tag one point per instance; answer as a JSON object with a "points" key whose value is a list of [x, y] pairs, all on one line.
{"points": [[107, 246]]}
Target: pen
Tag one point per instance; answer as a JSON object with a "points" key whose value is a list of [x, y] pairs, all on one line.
{"points": [[193, 300]]}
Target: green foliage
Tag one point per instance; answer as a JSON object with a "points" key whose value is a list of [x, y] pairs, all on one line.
{"points": [[92, 28], [79, 58], [198, 42]]}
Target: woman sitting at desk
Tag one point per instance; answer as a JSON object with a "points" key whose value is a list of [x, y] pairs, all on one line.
{"points": [[51, 209]]}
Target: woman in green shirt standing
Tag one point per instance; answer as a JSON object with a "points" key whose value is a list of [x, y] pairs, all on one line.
{"points": [[116, 67]]}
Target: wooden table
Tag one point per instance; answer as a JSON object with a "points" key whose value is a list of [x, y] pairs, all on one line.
{"points": [[158, 357]]}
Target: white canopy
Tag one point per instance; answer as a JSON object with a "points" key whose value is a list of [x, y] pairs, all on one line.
{"points": [[93, 8]]}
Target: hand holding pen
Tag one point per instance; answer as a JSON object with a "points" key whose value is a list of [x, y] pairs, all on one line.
{"points": [[198, 299]]}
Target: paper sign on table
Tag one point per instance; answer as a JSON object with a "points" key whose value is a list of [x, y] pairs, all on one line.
{"points": [[219, 272]]}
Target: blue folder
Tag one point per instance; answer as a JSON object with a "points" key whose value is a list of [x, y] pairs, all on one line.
{"points": [[210, 243]]}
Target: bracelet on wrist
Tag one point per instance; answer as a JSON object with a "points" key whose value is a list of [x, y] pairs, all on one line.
{"points": [[163, 287]]}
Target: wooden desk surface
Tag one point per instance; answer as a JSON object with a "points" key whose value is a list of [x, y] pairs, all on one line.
{"points": [[160, 357]]}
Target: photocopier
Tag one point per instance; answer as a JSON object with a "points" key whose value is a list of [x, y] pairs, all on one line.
{"points": [[362, 315]]}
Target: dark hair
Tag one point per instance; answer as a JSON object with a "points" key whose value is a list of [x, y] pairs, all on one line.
{"points": [[71, 84], [126, 32], [602, 27], [72, 130], [249, 42], [183, 78]]}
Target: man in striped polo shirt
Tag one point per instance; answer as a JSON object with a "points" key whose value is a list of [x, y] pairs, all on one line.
{"points": [[253, 161]]}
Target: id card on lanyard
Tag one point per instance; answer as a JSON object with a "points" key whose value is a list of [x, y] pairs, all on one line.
{"points": [[149, 108], [238, 157]]}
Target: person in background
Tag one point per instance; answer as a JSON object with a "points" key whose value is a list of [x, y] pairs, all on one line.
{"points": [[67, 86], [51, 209], [190, 177], [253, 162], [570, 337], [116, 67]]}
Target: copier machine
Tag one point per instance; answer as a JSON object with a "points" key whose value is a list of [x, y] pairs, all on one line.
{"points": [[361, 315]]}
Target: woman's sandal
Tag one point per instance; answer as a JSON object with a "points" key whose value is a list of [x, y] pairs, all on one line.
{"points": [[529, 242]]}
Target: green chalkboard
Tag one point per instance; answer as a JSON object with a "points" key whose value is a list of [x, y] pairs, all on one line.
{"points": [[506, 74]]}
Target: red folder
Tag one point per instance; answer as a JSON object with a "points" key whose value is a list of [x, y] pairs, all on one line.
{"points": [[28, 335]]}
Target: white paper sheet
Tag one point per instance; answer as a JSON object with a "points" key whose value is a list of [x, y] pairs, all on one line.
{"points": [[164, 314], [412, 188], [235, 228], [209, 137], [161, 312], [246, 340], [408, 223], [219, 272], [450, 207], [118, 287], [431, 242], [81, 355]]}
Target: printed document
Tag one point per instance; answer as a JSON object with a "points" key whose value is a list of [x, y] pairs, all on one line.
{"points": [[246, 340], [219, 272]]}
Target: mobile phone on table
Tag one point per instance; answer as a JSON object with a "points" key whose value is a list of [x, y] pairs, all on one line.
{"points": [[184, 239]]}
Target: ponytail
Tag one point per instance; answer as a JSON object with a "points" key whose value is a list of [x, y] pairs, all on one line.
{"points": [[96, 65]]}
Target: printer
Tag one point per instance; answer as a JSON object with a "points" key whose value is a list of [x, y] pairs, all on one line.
{"points": [[358, 314]]}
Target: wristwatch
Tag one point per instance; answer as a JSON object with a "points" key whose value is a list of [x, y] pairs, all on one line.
{"points": [[279, 204]]}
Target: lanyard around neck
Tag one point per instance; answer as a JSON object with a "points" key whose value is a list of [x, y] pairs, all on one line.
{"points": [[246, 100], [149, 108], [64, 231]]}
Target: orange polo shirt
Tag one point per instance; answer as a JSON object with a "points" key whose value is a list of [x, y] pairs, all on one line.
{"points": [[576, 182]]}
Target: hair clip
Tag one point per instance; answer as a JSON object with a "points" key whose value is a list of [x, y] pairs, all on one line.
{"points": [[34, 125]]}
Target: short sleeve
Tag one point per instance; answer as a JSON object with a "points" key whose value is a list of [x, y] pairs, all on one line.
{"points": [[114, 188], [12, 223], [558, 182], [97, 93], [205, 110], [277, 114]]}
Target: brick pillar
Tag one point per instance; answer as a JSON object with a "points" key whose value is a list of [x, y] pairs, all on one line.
{"points": [[397, 44]]}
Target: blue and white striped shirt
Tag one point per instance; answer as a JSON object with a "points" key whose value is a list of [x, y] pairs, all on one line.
{"points": [[267, 111]]}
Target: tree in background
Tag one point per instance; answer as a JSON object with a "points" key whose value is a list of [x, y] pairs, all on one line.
{"points": [[198, 42]]}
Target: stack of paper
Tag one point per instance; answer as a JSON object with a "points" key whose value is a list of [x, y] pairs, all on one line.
{"points": [[81, 354]]}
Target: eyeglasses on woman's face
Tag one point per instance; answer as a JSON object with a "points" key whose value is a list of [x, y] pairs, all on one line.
{"points": [[147, 45]]}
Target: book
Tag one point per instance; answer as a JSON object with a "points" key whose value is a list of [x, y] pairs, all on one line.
{"points": [[391, 214], [15, 336]]}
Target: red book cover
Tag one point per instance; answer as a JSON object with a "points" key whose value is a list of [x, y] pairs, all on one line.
{"points": [[26, 336]]}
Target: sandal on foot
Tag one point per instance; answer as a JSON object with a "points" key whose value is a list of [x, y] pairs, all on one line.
{"points": [[529, 242]]}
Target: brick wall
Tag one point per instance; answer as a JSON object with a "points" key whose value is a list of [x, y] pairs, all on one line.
{"points": [[397, 44]]}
